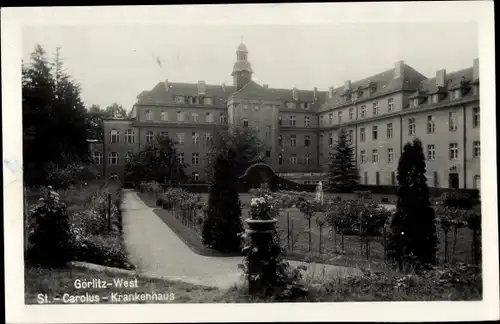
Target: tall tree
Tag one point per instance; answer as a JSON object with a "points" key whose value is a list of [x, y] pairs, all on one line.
{"points": [[413, 239], [96, 116], [342, 172], [247, 148], [156, 162], [54, 117], [116, 111], [222, 226]]}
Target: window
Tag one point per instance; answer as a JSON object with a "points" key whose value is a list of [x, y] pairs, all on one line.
{"points": [[245, 122], [307, 159], [390, 155], [192, 100], [207, 101], [453, 151], [293, 140], [290, 105], [351, 113], [114, 136], [330, 118], [431, 126], [350, 136], [164, 115], [149, 115], [363, 156], [374, 156], [128, 156], [195, 137], [307, 140], [436, 179], [363, 111], [196, 176], [435, 98], [377, 178], [280, 140], [195, 158], [305, 105], [180, 116], [97, 156], [113, 158], [411, 126], [375, 108], [476, 147], [268, 153], [452, 121], [330, 142], [475, 117], [164, 134], [180, 158], [307, 121], [129, 136], [180, 99], [366, 177], [361, 134], [223, 118], [194, 117], [393, 178], [149, 136], [390, 103], [431, 152], [292, 120], [209, 139], [457, 94], [339, 116], [293, 159], [209, 117], [374, 133], [280, 159], [389, 130], [477, 182], [180, 138], [321, 139], [414, 102], [321, 120]]}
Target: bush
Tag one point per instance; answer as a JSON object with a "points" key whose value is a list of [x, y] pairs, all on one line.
{"points": [[71, 174], [363, 194], [385, 200], [49, 238], [457, 199]]}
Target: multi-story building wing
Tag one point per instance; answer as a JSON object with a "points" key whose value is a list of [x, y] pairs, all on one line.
{"points": [[300, 127]]}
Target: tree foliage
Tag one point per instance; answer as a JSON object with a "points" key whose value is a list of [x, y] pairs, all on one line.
{"points": [[222, 226], [342, 172], [413, 239], [156, 162], [96, 115], [248, 149], [54, 117]]}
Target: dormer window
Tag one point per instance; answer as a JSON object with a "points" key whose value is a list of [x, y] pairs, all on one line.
{"points": [[348, 97], [416, 102], [207, 101], [290, 105], [304, 105], [180, 99], [456, 94], [435, 98], [354, 96]]}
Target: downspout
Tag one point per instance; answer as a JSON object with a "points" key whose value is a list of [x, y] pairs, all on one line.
{"points": [[465, 147], [400, 135], [104, 155]]}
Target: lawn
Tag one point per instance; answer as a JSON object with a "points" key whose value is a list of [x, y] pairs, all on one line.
{"points": [[293, 227], [47, 284]]}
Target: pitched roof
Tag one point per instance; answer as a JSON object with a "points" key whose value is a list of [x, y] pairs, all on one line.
{"points": [[254, 90], [452, 80], [384, 82]]}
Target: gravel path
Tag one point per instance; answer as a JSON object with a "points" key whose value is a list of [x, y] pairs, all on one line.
{"points": [[157, 251]]}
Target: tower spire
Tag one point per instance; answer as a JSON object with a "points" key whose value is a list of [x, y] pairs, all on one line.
{"points": [[242, 69]]}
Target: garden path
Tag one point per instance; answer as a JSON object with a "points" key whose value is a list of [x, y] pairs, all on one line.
{"points": [[157, 251]]}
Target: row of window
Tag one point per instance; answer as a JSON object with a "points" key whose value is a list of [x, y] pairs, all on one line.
{"points": [[292, 121], [292, 140], [294, 160], [293, 105], [362, 113], [182, 116], [435, 179], [436, 97], [114, 158], [193, 100], [431, 152], [130, 137]]}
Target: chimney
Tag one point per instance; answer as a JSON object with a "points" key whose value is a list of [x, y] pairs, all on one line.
{"points": [[399, 67], [475, 70], [347, 85], [167, 85], [201, 88], [440, 78], [223, 86], [315, 93], [330, 92], [295, 93], [266, 86]]}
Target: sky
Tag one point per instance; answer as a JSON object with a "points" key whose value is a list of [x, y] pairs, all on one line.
{"points": [[114, 63]]}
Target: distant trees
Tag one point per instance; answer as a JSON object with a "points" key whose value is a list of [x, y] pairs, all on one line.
{"points": [[156, 162], [413, 239], [96, 115], [248, 149], [342, 172], [55, 122]]}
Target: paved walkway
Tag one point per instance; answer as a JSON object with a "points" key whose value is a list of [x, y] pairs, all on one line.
{"points": [[157, 251]]}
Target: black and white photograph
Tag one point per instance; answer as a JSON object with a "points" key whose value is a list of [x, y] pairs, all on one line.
{"points": [[307, 161]]}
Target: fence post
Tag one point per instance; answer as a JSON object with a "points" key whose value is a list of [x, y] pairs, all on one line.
{"points": [[293, 238], [288, 228], [320, 237], [384, 233], [109, 212]]}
